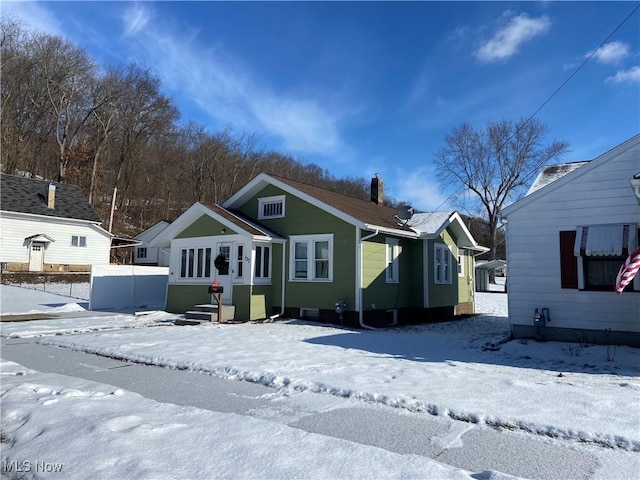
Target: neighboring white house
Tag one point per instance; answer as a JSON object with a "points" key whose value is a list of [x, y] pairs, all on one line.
{"points": [[146, 255], [48, 226], [565, 244]]}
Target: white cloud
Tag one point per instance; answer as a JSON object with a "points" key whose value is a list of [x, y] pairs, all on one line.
{"points": [[422, 190], [611, 52], [228, 91], [626, 76], [135, 19], [33, 16], [506, 41]]}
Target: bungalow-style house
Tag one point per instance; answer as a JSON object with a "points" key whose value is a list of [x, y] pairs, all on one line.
{"points": [[282, 247], [143, 254], [566, 242], [48, 226]]}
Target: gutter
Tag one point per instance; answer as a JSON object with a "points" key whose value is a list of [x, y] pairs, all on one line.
{"points": [[360, 288]]}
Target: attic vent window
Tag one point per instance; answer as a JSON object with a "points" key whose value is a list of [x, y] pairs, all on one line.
{"points": [[271, 207]]}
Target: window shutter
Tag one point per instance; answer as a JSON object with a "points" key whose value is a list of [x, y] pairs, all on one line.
{"points": [[568, 261]]}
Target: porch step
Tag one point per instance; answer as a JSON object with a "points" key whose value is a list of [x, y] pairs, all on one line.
{"points": [[209, 313]]}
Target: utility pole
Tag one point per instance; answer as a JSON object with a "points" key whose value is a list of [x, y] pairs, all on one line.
{"points": [[113, 207]]}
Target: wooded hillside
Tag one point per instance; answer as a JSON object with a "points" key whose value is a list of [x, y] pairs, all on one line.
{"points": [[66, 118]]}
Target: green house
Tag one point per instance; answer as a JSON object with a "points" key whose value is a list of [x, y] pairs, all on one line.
{"points": [[279, 247]]}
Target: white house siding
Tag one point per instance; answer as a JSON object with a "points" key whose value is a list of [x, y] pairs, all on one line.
{"points": [[596, 194], [14, 228], [154, 255]]}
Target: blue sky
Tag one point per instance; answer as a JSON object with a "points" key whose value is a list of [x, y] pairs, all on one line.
{"points": [[373, 87]]}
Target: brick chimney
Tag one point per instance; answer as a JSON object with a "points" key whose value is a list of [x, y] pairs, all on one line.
{"points": [[376, 190], [51, 196]]}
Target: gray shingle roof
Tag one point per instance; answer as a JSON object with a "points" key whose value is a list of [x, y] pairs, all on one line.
{"points": [[29, 195]]}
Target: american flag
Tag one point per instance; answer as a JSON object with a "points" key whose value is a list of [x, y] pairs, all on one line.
{"points": [[627, 271]]}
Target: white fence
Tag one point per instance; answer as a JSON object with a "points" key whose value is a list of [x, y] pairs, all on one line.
{"points": [[128, 287]]}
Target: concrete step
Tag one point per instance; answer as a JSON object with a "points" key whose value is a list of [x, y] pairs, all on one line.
{"points": [[184, 321], [209, 313], [202, 316]]}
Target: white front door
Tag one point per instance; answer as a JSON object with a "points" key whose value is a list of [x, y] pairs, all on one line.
{"points": [[223, 274], [36, 257]]}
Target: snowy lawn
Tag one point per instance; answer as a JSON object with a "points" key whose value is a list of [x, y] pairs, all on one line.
{"points": [[440, 369], [65, 318], [554, 389], [139, 438]]}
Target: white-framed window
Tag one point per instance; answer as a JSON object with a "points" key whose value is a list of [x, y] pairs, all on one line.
{"points": [[78, 241], [271, 207], [239, 261], [311, 258], [142, 252], [262, 266], [441, 263], [461, 262], [392, 247], [195, 262]]}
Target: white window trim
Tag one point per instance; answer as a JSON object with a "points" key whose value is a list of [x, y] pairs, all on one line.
{"points": [[205, 267], [392, 249], [310, 240], [78, 242], [460, 257], [261, 280], [240, 260], [264, 200], [446, 280]]}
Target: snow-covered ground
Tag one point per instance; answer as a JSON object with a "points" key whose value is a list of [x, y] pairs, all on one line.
{"points": [[589, 395]]}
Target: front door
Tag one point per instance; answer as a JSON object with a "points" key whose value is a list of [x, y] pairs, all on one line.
{"points": [[222, 270], [36, 257]]}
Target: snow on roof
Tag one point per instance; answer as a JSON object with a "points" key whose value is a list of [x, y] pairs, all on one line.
{"points": [[490, 264], [551, 173], [429, 222]]}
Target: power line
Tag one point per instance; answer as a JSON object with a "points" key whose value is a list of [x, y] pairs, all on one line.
{"points": [[538, 166], [571, 76]]}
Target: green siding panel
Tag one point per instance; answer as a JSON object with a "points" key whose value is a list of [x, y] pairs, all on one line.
{"points": [[302, 218], [181, 298], [465, 282], [261, 302], [242, 302], [378, 294], [443, 295], [205, 226]]}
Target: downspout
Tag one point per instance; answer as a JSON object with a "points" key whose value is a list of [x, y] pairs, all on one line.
{"points": [[273, 317], [361, 289]]}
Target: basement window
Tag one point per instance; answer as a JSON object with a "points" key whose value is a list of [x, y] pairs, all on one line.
{"points": [[310, 313]]}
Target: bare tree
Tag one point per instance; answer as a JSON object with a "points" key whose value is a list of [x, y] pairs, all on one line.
{"points": [[144, 113], [492, 166], [106, 99], [25, 123], [67, 73]]}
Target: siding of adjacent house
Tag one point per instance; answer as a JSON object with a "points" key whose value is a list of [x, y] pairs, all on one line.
{"points": [[598, 193], [302, 218], [16, 227], [154, 255]]}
